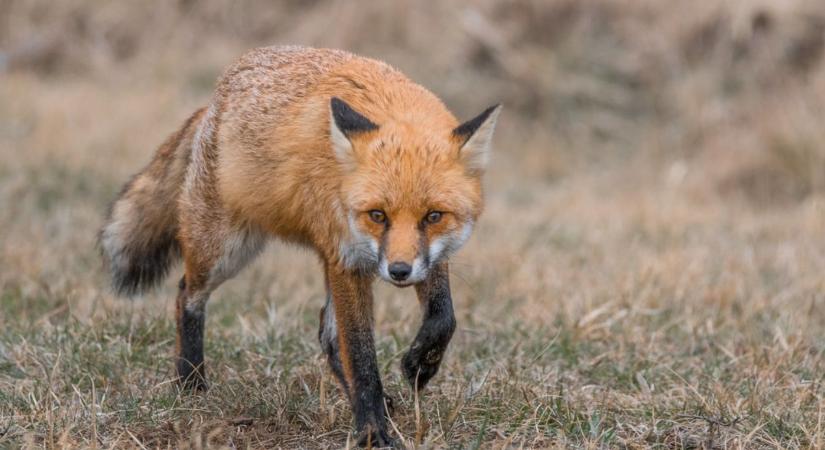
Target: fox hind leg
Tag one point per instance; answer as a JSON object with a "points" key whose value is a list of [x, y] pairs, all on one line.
{"points": [[213, 266], [190, 323]]}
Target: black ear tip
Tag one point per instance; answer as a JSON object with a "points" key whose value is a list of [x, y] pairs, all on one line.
{"points": [[466, 129], [347, 119], [339, 107], [490, 110]]}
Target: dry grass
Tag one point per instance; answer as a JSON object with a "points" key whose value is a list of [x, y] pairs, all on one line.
{"points": [[648, 272]]}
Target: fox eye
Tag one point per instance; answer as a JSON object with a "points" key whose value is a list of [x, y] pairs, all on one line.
{"points": [[433, 217], [378, 216]]}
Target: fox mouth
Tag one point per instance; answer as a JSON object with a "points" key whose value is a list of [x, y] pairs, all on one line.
{"points": [[407, 282]]}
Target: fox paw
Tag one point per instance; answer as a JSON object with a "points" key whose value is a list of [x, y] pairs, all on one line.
{"points": [[419, 366], [375, 438], [193, 382]]}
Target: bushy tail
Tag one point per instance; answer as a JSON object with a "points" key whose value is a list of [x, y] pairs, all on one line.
{"points": [[139, 239]]}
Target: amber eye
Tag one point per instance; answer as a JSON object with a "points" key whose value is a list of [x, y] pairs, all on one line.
{"points": [[378, 216], [433, 217]]}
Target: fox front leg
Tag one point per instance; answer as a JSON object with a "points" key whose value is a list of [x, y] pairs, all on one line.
{"points": [[421, 362], [351, 296], [328, 337]]}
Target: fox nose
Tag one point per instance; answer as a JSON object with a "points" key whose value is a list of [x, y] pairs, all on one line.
{"points": [[399, 271]]}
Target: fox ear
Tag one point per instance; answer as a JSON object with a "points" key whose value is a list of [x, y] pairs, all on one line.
{"points": [[344, 123], [475, 136]]}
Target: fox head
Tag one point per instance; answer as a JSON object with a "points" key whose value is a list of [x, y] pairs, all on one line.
{"points": [[411, 191]]}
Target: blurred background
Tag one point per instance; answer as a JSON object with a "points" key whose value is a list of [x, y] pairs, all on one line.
{"points": [[623, 115], [655, 163], [722, 96]]}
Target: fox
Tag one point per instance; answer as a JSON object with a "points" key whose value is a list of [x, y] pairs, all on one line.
{"points": [[335, 152]]}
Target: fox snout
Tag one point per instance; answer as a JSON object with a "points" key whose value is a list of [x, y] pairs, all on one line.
{"points": [[402, 273], [399, 271], [403, 260]]}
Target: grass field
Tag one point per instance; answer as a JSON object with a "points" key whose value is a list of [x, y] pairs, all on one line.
{"points": [[649, 271]]}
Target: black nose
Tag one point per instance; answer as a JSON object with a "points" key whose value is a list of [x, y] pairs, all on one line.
{"points": [[399, 271]]}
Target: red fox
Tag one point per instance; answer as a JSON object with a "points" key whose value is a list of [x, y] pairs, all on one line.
{"points": [[339, 153]]}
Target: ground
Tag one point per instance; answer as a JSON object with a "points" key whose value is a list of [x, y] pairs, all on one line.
{"points": [[649, 271]]}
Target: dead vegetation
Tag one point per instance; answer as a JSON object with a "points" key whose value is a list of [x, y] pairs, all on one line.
{"points": [[648, 272]]}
